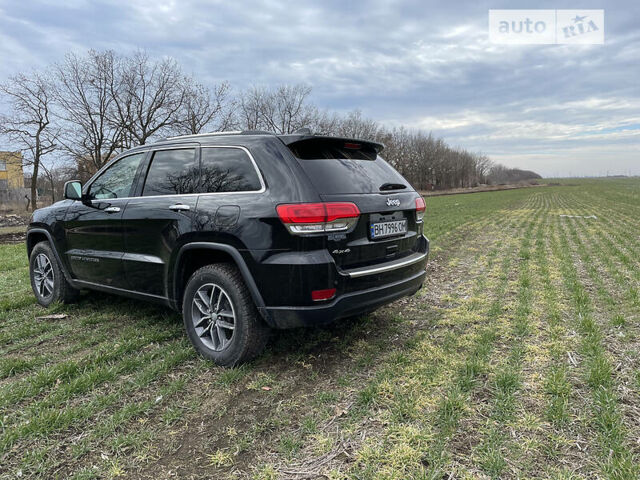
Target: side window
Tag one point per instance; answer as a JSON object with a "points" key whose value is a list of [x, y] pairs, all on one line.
{"points": [[172, 172], [228, 170], [117, 180]]}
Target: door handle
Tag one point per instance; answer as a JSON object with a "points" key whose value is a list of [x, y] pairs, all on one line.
{"points": [[179, 207], [112, 209]]}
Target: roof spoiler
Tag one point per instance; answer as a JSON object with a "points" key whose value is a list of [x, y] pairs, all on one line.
{"points": [[301, 137]]}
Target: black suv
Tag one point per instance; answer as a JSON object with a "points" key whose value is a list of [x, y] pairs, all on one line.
{"points": [[242, 231]]}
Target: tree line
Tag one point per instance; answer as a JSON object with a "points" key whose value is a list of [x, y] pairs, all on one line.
{"points": [[88, 108]]}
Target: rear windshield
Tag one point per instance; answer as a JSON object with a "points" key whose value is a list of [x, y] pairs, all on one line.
{"points": [[336, 167], [315, 149]]}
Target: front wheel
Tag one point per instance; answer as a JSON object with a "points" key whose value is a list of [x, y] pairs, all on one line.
{"points": [[47, 279], [220, 317]]}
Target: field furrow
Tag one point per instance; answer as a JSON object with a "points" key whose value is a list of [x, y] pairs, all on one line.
{"points": [[612, 450]]}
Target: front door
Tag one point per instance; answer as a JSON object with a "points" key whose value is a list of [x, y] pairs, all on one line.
{"points": [[93, 227]]}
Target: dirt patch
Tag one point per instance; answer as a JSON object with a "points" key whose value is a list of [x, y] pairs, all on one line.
{"points": [[12, 220], [12, 237], [12, 228]]}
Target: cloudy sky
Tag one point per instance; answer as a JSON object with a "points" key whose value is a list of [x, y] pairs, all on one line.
{"points": [[557, 109]]}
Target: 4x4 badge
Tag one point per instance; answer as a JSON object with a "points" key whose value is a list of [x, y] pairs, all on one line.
{"points": [[393, 202]]}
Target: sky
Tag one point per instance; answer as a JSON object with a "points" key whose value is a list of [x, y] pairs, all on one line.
{"points": [[560, 110]]}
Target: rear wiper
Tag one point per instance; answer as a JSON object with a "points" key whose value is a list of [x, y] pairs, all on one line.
{"points": [[391, 186]]}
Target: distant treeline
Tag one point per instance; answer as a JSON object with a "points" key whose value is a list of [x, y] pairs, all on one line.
{"points": [[430, 163], [90, 107], [500, 175]]}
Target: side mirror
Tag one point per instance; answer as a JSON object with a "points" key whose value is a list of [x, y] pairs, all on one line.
{"points": [[73, 190]]}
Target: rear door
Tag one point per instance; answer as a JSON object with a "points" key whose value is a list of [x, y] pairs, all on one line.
{"points": [[352, 171], [159, 217], [232, 190]]}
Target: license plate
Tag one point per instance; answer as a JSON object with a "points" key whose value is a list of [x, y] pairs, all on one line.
{"points": [[388, 229]]}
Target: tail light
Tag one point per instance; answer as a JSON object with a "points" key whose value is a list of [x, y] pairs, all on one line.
{"points": [[320, 295], [326, 217], [420, 208]]}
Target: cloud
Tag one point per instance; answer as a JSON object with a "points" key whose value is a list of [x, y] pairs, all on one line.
{"points": [[427, 66]]}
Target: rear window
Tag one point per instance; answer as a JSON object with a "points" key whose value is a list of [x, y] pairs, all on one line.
{"points": [[228, 169], [315, 149], [338, 166]]}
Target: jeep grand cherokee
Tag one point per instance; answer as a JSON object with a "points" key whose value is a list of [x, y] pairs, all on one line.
{"points": [[241, 231]]}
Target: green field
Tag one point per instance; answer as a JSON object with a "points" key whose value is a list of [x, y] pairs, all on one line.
{"points": [[520, 358]]}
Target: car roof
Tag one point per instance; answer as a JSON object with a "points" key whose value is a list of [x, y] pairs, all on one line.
{"points": [[219, 138]]}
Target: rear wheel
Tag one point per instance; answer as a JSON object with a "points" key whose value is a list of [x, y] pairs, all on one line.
{"points": [[47, 279], [220, 317]]}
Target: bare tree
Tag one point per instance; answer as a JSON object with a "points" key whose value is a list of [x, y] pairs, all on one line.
{"points": [[28, 126], [54, 175], [249, 114], [282, 110], [205, 108], [91, 132], [48, 174], [483, 166], [288, 109], [353, 125], [148, 96]]}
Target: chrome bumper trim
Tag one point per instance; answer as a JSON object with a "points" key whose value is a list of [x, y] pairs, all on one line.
{"points": [[361, 272]]}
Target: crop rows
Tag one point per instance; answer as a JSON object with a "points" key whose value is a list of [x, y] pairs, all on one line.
{"points": [[520, 358]]}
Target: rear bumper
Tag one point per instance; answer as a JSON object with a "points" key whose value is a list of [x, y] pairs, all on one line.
{"points": [[347, 305], [371, 291]]}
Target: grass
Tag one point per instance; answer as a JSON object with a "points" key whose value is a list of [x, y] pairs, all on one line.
{"points": [[520, 358]]}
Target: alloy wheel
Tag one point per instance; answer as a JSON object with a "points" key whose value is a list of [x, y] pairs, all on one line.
{"points": [[43, 275], [213, 316]]}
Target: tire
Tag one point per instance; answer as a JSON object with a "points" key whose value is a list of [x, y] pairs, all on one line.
{"points": [[208, 322], [48, 282]]}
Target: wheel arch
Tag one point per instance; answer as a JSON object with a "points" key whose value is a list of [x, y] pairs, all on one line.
{"points": [[37, 235], [34, 237], [194, 255]]}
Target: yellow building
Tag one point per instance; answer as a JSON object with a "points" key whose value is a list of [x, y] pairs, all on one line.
{"points": [[11, 175]]}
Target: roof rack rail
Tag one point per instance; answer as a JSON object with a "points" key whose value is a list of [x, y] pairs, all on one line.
{"points": [[229, 132], [256, 132]]}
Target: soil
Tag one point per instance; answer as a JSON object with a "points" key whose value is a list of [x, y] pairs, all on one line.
{"points": [[12, 220], [12, 228], [12, 237]]}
